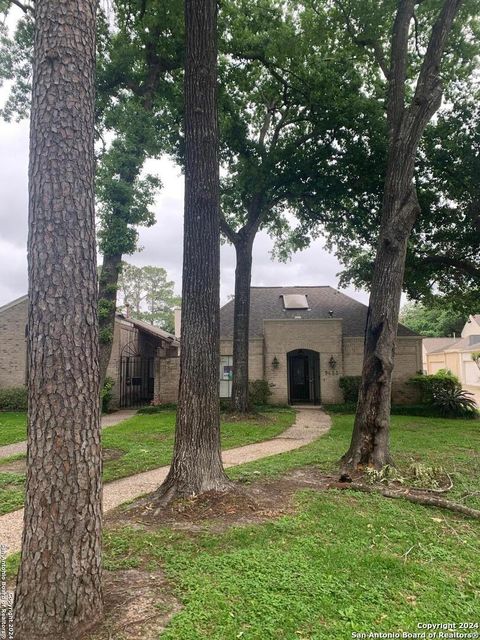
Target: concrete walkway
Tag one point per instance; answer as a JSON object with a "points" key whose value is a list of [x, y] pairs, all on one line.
{"points": [[107, 421], [310, 424]]}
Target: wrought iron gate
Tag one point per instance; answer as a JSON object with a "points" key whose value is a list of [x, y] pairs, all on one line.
{"points": [[136, 380]]}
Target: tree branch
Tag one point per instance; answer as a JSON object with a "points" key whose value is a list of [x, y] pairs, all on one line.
{"points": [[24, 7], [398, 66], [227, 230], [464, 266], [368, 43]]}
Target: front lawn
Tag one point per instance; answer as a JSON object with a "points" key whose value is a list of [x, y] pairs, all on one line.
{"points": [[13, 427], [344, 562], [145, 442]]}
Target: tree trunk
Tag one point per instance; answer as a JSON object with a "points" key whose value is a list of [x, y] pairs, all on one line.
{"points": [[197, 465], [58, 592], [243, 276], [370, 439], [107, 306]]}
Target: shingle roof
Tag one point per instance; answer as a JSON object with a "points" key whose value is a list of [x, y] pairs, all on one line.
{"points": [[11, 304], [151, 329], [266, 304], [432, 345]]}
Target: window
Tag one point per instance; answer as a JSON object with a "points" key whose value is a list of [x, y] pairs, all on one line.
{"points": [[295, 301], [226, 376]]}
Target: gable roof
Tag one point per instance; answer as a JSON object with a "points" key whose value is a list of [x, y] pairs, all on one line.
{"points": [[13, 303], [151, 329], [432, 345], [266, 303]]}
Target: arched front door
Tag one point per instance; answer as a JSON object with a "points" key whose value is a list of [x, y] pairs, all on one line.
{"points": [[303, 377]]}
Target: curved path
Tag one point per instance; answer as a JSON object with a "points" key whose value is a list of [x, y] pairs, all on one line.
{"points": [[310, 424], [108, 420]]}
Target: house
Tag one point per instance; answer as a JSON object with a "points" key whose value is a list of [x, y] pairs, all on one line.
{"points": [[302, 340], [455, 354], [134, 364]]}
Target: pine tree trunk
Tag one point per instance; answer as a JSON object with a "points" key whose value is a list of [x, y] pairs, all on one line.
{"points": [[243, 276], [107, 306], [197, 465], [58, 592]]}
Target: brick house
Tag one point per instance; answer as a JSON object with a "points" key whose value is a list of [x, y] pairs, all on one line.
{"points": [[302, 340], [134, 365]]}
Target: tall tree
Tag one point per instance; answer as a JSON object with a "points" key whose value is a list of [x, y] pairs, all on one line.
{"points": [[405, 124], [149, 295], [197, 465], [58, 592], [290, 113]]}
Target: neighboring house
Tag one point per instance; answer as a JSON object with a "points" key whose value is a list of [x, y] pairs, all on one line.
{"points": [[455, 354], [134, 365]]}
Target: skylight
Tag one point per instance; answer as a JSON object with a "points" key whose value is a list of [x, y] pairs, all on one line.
{"points": [[295, 301]]}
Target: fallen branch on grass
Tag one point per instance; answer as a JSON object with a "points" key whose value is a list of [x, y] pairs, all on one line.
{"points": [[432, 501]]}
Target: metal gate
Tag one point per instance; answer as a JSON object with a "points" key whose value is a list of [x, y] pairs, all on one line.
{"points": [[136, 380]]}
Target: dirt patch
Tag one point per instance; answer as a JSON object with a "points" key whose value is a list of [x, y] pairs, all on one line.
{"points": [[15, 466], [111, 454], [216, 511], [138, 606]]}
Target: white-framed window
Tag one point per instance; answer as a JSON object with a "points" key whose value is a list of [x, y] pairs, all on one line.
{"points": [[226, 376]]}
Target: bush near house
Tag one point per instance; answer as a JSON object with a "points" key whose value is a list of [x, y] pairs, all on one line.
{"points": [[350, 386], [443, 392], [259, 392], [14, 399], [106, 394]]}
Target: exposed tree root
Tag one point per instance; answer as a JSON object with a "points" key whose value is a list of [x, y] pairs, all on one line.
{"points": [[407, 494]]}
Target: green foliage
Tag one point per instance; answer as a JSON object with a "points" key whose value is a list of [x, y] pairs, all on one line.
{"points": [[350, 386], [259, 392], [105, 307], [476, 358], [158, 408], [106, 394], [13, 399], [455, 402], [431, 385], [437, 319], [105, 335], [149, 294]]}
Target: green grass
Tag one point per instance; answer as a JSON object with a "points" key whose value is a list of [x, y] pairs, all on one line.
{"points": [[146, 442], [343, 563], [13, 427]]}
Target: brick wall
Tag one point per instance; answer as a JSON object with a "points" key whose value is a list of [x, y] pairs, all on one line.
{"points": [[323, 336], [408, 361], [167, 377], [255, 356], [13, 345]]}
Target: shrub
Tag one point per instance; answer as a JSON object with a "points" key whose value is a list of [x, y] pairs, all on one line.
{"points": [[350, 386], [455, 403], [14, 399], [431, 385], [258, 392], [158, 408], [106, 394]]}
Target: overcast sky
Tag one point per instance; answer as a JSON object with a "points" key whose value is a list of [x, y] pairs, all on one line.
{"points": [[161, 244]]}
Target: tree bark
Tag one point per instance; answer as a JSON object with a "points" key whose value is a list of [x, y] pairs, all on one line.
{"points": [[58, 592], [197, 464], [107, 296], [243, 275], [370, 439]]}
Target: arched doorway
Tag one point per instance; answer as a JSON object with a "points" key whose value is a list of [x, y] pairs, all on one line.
{"points": [[303, 376]]}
